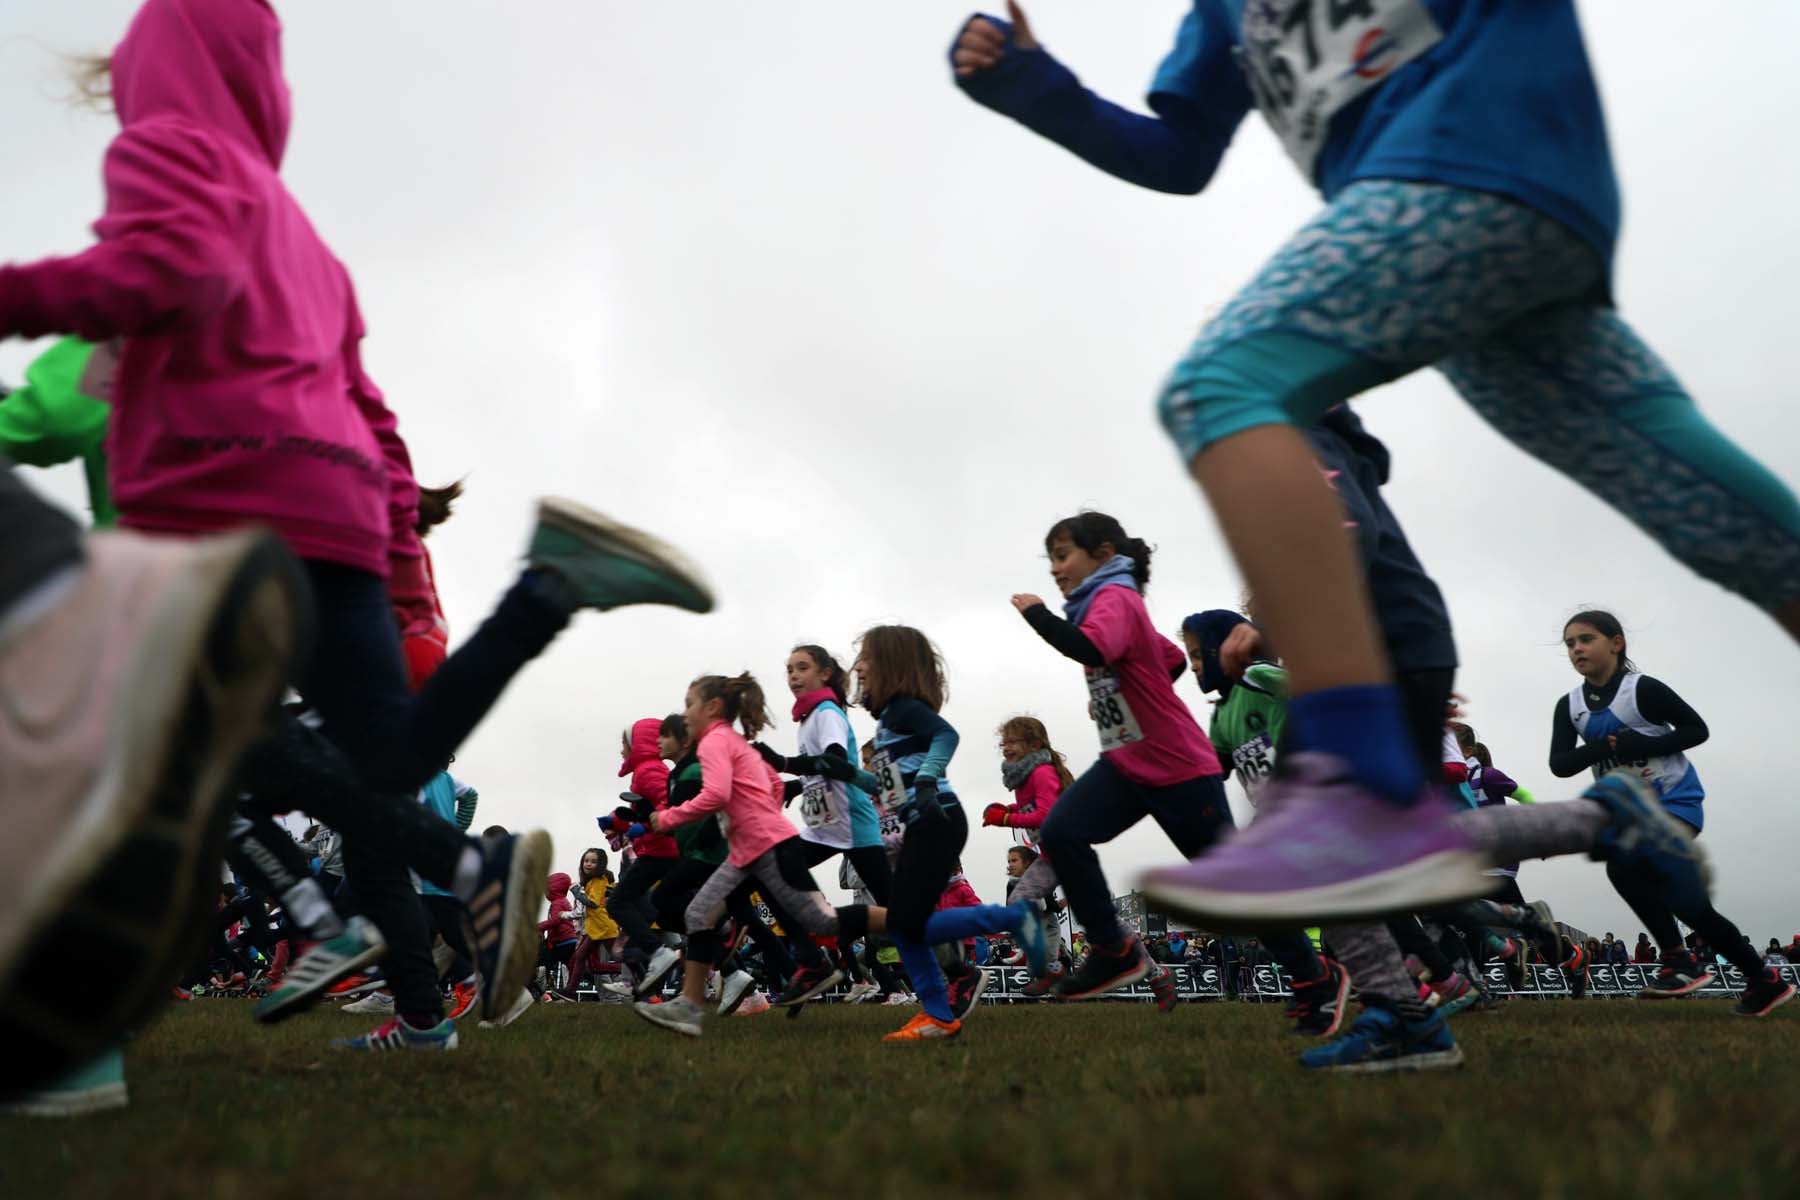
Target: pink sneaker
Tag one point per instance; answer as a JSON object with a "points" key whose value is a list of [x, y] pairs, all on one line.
{"points": [[123, 713], [1324, 849]]}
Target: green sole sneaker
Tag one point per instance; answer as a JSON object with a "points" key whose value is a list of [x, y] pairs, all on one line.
{"points": [[609, 564]]}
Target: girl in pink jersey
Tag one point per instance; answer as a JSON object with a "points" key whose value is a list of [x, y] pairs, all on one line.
{"points": [[1037, 775]]}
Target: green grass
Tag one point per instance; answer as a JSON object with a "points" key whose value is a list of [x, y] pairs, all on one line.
{"points": [[1597, 1098]]}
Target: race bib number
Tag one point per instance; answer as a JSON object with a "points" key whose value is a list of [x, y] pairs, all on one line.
{"points": [[815, 804], [891, 796], [1306, 59], [1113, 719], [1254, 762]]}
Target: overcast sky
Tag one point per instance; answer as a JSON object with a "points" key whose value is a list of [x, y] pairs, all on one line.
{"points": [[760, 279]]}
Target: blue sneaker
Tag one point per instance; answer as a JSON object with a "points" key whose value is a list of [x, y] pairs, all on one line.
{"points": [[1383, 1041], [97, 1087], [1642, 840], [398, 1035], [500, 916], [1030, 932]]}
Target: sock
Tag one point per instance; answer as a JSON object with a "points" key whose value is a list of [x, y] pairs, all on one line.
{"points": [[309, 908], [958, 924], [1365, 725], [422, 1022], [27, 609], [927, 977], [468, 873]]}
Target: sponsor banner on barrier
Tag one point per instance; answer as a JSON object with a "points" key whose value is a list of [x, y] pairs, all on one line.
{"points": [[1193, 981]]}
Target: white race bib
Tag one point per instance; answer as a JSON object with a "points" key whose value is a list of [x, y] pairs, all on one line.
{"points": [[1254, 762], [1113, 719], [1306, 59], [891, 796], [815, 804]]}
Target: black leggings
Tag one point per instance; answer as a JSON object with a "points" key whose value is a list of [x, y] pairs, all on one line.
{"points": [[628, 904], [871, 865], [927, 859]]}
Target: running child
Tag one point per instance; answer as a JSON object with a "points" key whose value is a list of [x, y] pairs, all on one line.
{"points": [[1036, 773]]}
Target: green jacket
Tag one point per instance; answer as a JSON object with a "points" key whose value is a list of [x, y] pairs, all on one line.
{"points": [[50, 421], [702, 841]]}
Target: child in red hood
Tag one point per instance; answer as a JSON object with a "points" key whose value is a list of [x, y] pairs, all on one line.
{"points": [[644, 749], [240, 398], [558, 927]]}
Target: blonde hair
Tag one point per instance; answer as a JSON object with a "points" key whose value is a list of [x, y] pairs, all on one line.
{"points": [[1031, 731], [90, 75]]}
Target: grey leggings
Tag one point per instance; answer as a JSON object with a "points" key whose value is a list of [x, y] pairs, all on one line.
{"points": [[1038, 883], [782, 876]]}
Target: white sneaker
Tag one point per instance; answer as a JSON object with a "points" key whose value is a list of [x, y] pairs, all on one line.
{"points": [[619, 988], [661, 963], [680, 1014], [376, 1003], [899, 998], [520, 1007], [861, 991], [732, 991]]}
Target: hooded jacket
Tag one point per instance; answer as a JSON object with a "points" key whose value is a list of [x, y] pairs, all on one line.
{"points": [[240, 395], [649, 779], [557, 926]]}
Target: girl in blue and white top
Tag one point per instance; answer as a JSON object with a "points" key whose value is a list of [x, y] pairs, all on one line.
{"points": [[1627, 719]]}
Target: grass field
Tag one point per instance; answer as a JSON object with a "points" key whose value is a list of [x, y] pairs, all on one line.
{"points": [[1557, 1099]]}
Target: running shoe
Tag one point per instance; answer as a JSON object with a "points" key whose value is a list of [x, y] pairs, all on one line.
{"points": [[181, 994], [1162, 987], [356, 985], [398, 1035], [861, 990], [1032, 938], [98, 1086], [1453, 995], [756, 1002], [1324, 849], [1641, 839], [125, 707], [1513, 952], [965, 991], [464, 995], [609, 565], [680, 1014], [732, 991], [808, 982], [1542, 930], [373, 1004], [1381, 1040], [322, 965], [923, 1028], [897, 999], [620, 988], [1681, 974], [1320, 1004], [1101, 972], [500, 918], [1574, 969], [524, 1004], [1764, 995], [666, 959], [1045, 984]]}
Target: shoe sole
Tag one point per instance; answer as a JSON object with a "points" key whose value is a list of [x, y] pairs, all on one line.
{"points": [[603, 533], [1132, 974], [1687, 990], [525, 876], [1671, 835], [1786, 995], [1436, 1060], [520, 1007], [725, 1010], [201, 688], [280, 1008], [981, 985], [825, 985], [1448, 877], [1449, 1008], [107, 1097], [672, 1027], [361, 989]]}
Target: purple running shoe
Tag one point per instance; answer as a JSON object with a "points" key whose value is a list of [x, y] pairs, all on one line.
{"points": [[1324, 848]]}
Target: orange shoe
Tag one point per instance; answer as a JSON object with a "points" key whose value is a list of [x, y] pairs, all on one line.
{"points": [[924, 1027], [463, 996]]}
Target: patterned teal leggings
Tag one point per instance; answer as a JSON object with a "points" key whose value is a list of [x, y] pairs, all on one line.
{"points": [[1395, 276]]}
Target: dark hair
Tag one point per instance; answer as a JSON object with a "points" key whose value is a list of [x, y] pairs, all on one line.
{"points": [[673, 726], [599, 870], [435, 505], [1091, 530], [835, 677], [1483, 757], [898, 660], [1025, 852], [1608, 626], [742, 699], [495, 831], [1031, 731]]}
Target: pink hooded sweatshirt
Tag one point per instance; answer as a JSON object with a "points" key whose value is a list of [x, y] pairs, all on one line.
{"points": [[736, 783], [649, 779], [558, 926], [240, 396]]}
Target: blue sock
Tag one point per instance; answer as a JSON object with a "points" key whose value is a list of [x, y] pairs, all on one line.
{"points": [[1366, 726], [960, 924], [927, 978]]}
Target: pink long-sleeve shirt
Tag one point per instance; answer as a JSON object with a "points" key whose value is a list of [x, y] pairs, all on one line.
{"points": [[737, 784], [240, 395]]}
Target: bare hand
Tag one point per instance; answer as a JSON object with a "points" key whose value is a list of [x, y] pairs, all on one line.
{"points": [[982, 45], [1024, 600], [1239, 649]]}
